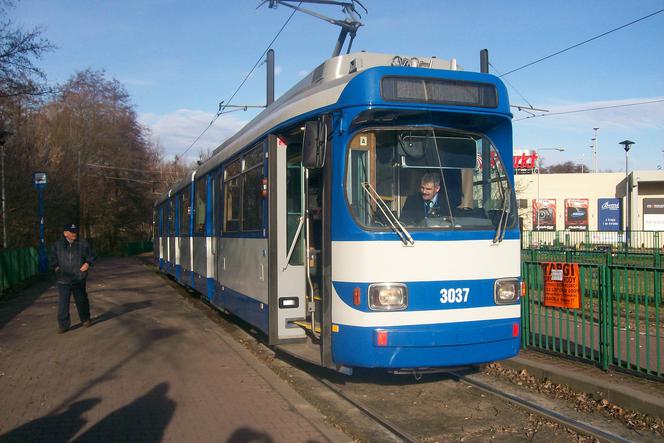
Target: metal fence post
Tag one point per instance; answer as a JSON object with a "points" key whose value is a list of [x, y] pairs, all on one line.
{"points": [[606, 324]]}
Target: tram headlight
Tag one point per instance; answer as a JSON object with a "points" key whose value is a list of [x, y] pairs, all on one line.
{"points": [[506, 291], [388, 297]]}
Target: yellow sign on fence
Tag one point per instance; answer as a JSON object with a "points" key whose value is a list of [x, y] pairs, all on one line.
{"points": [[561, 285]]}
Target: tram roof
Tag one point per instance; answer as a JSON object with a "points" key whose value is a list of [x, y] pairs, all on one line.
{"points": [[321, 88]]}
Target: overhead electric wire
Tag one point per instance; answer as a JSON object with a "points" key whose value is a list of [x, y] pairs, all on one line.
{"points": [[150, 171], [591, 109], [149, 182], [582, 43], [227, 102], [512, 86]]}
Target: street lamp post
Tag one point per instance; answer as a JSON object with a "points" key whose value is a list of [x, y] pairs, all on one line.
{"points": [[627, 144], [539, 165], [582, 160]]}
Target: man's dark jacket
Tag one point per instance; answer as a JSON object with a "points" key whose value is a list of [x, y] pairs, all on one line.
{"points": [[69, 258]]}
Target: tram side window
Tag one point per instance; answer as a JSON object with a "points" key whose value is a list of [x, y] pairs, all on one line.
{"points": [[233, 196], [160, 220], [243, 209], [171, 217], [291, 140], [185, 211], [212, 200], [199, 212], [218, 205], [252, 214]]}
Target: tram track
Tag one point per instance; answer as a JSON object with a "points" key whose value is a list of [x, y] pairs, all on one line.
{"points": [[569, 422], [371, 413], [550, 414]]}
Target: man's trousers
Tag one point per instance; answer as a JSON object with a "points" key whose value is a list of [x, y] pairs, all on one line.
{"points": [[80, 298]]}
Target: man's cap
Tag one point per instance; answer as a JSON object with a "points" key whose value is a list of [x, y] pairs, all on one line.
{"points": [[71, 227]]}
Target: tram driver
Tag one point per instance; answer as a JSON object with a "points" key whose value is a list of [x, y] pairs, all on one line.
{"points": [[431, 201]]}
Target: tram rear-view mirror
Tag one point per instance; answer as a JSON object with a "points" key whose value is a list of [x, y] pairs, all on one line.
{"points": [[314, 144]]}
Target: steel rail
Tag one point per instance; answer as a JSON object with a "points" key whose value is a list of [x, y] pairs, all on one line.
{"points": [[576, 425], [373, 415]]}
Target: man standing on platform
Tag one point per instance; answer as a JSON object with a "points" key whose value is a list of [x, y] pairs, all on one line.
{"points": [[71, 259]]}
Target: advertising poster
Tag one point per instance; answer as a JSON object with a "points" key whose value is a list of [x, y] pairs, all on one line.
{"points": [[544, 214], [561, 285], [653, 214], [609, 214], [576, 214]]}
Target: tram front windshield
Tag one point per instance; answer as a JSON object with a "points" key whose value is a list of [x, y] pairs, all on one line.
{"points": [[427, 178]]}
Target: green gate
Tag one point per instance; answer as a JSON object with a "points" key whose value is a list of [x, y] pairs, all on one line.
{"points": [[619, 322]]}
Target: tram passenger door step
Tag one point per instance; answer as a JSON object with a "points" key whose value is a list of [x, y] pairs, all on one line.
{"points": [[305, 325], [306, 351]]}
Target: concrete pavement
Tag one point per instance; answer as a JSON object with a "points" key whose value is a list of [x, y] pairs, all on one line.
{"points": [[151, 368]]}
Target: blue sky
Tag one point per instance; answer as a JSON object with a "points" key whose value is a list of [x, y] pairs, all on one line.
{"points": [[179, 59]]}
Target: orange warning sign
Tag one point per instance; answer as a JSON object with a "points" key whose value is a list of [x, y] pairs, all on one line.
{"points": [[561, 285]]}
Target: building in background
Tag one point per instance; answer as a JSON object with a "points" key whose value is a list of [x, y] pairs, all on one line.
{"points": [[590, 201]]}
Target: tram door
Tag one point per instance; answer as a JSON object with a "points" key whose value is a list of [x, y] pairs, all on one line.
{"points": [[184, 238], [287, 284], [301, 247]]}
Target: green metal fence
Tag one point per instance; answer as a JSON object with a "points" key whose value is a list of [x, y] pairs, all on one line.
{"points": [[17, 265], [620, 321], [633, 241]]}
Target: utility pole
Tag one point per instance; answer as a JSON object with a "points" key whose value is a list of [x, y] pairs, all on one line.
{"points": [[4, 209], [594, 146], [78, 190], [4, 134]]}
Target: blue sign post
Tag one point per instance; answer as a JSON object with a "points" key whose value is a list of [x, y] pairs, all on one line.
{"points": [[609, 214], [39, 182]]}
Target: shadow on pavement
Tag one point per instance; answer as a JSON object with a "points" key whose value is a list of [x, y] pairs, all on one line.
{"points": [[11, 307], [122, 309], [145, 419], [55, 427], [248, 435]]}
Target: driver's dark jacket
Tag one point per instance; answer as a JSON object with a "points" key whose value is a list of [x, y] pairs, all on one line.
{"points": [[69, 258], [413, 211]]}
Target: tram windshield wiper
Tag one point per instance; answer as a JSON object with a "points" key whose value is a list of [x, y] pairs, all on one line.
{"points": [[394, 222], [504, 215]]}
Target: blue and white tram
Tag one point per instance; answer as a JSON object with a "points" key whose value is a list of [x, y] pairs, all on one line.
{"points": [[297, 223]]}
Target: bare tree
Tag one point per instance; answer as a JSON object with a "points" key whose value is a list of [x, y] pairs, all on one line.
{"points": [[564, 168], [18, 50], [104, 168]]}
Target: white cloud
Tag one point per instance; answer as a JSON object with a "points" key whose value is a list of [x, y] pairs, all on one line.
{"points": [[302, 73], [176, 131]]}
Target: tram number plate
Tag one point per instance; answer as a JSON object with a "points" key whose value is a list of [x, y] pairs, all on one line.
{"points": [[454, 295]]}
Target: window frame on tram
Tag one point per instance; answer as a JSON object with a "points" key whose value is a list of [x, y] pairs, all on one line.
{"points": [[199, 207], [185, 207], [235, 184]]}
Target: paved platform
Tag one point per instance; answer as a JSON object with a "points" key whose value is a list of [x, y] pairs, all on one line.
{"points": [[151, 368]]}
